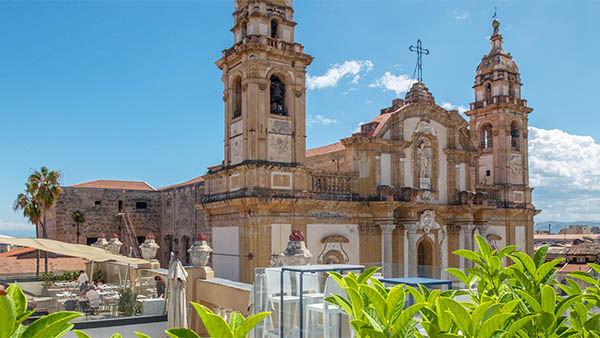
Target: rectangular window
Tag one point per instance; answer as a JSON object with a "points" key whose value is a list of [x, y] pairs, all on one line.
{"points": [[96, 203], [488, 173], [141, 205]]}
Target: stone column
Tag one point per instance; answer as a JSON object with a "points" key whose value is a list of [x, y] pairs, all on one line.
{"points": [[468, 231], [411, 260], [386, 247], [483, 229]]}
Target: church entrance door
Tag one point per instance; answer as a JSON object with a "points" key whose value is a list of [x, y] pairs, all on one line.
{"points": [[425, 258]]}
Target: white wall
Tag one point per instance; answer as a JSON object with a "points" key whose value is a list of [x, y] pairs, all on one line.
{"points": [[316, 232], [226, 251], [386, 169], [520, 239], [280, 234]]}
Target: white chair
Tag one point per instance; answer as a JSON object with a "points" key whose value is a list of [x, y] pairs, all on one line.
{"points": [[273, 289], [311, 292], [326, 309]]}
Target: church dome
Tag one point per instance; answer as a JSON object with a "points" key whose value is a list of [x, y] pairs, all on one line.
{"points": [[497, 58]]}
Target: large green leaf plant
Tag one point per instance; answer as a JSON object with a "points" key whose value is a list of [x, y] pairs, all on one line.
{"points": [[13, 312]]}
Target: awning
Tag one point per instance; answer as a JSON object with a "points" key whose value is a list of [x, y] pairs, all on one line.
{"points": [[73, 250]]}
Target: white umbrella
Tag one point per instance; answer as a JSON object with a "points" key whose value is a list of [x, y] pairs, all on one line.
{"points": [[177, 309]]}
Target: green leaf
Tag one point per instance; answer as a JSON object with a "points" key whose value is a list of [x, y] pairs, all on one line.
{"points": [[519, 323], [548, 299], [546, 268], [529, 300], [366, 275], [374, 319], [394, 303], [584, 276], [506, 251], [493, 324], [470, 255], [249, 324], [466, 280], [215, 325], [340, 302], [235, 321], [525, 260], [484, 247], [356, 302], [81, 334], [462, 318], [18, 298], [376, 299], [50, 323], [540, 256], [7, 316], [181, 333], [141, 335]]}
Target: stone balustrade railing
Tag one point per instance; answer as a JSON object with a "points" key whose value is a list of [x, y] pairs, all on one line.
{"points": [[493, 193], [498, 99], [331, 186], [264, 40]]}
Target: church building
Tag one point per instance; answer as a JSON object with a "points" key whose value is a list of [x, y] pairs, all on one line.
{"points": [[414, 185]]}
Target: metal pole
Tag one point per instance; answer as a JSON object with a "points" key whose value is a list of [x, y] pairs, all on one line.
{"points": [[281, 303], [92, 273], [301, 309]]}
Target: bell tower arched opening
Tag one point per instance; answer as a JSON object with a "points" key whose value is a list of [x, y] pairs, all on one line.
{"points": [[277, 95]]}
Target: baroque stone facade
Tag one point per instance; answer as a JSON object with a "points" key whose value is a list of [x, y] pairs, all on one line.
{"points": [[415, 184]]}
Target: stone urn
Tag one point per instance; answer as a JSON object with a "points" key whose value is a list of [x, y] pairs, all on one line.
{"points": [[296, 252], [114, 244], [149, 247], [200, 251], [101, 242]]}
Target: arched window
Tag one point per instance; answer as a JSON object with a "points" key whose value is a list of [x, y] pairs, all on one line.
{"points": [[277, 96], [514, 136], [488, 91], [274, 29], [237, 97], [486, 137], [244, 29]]}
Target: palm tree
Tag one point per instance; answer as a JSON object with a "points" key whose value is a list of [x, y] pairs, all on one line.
{"points": [[32, 211], [42, 189], [78, 217]]}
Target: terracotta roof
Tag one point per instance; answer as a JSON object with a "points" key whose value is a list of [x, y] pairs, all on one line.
{"points": [[192, 181], [117, 185], [330, 148], [584, 249], [16, 252], [381, 119], [572, 267]]}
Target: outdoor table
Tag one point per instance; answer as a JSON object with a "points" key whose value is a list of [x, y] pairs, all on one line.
{"points": [[309, 269], [415, 281]]}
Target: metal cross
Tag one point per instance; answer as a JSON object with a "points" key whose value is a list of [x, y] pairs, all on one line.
{"points": [[420, 51]]}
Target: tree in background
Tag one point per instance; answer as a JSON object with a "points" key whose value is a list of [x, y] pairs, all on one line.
{"points": [[33, 212], [78, 218], [41, 192]]}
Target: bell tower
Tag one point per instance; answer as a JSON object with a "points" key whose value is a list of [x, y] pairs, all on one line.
{"points": [[498, 119], [265, 94]]}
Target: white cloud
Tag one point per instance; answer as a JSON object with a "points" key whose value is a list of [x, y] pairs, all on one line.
{"points": [[16, 228], [337, 72], [449, 106], [357, 129], [561, 160], [396, 83], [462, 16], [319, 120], [369, 102], [564, 169]]}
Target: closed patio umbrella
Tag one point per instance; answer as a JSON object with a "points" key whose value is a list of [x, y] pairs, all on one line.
{"points": [[177, 308]]}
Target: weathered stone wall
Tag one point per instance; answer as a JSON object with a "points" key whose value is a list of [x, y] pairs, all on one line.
{"points": [[180, 220], [170, 214], [100, 208]]}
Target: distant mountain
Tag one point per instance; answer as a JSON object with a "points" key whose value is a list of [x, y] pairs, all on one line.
{"points": [[555, 226]]}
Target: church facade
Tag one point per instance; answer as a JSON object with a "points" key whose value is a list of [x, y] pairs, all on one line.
{"points": [[415, 184]]}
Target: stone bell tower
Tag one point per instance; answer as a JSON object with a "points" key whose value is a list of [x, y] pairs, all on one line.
{"points": [[498, 119], [264, 77]]}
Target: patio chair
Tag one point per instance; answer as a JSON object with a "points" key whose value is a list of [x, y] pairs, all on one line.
{"points": [[273, 288], [326, 309]]}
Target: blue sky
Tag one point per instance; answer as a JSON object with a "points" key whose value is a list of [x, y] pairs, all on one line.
{"points": [[129, 90]]}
